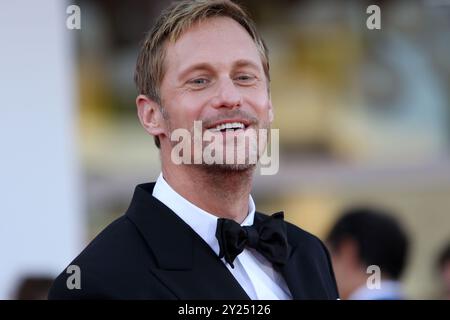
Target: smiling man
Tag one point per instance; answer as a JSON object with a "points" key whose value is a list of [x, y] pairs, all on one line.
{"points": [[195, 232]]}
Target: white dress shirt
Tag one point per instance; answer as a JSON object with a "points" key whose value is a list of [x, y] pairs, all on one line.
{"points": [[253, 272]]}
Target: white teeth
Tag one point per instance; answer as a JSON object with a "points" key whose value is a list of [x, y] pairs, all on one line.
{"points": [[231, 125]]}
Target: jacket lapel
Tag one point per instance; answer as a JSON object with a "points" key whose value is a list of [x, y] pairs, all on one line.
{"points": [[301, 272], [288, 271], [306, 276], [184, 261]]}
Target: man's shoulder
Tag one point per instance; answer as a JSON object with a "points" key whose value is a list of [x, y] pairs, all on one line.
{"points": [[302, 237], [113, 241], [117, 250], [121, 238]]}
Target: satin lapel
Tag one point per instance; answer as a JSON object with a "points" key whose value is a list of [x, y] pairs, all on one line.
{"points": [[184, 261], [289, 270], [301, 272], [306, 276]]}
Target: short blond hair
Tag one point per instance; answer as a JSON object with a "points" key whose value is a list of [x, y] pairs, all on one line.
{"points": [[170, 25]]}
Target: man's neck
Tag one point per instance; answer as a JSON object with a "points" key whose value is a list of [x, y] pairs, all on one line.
{"points": [[224, 193]]}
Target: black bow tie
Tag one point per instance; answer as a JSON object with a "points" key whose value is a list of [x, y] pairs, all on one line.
{"points": [[267, 237]]}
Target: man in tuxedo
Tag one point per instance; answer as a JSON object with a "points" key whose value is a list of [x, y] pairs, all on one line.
{"points": [[195, 232]]}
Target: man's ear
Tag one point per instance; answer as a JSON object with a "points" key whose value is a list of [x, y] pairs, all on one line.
{"points": [[150, 115]]}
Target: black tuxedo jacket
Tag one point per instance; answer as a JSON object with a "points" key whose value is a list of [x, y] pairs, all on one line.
{"points": [[150, 253]]}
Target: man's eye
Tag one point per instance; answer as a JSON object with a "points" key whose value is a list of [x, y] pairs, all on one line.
{"points": [[245, 78], [199, 82]]}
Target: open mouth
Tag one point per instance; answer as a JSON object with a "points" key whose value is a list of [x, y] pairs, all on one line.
{"points": [[228, 127]]}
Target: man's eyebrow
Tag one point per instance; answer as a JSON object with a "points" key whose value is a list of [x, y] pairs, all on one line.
{"points": [[198, 66], [203, 66], [246, 63]]}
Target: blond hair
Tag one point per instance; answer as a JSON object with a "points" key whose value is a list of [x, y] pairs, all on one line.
{"points": [[170, 25]]}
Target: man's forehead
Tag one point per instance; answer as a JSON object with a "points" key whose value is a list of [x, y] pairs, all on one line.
{"points": [[213, 26], [214, 40]]}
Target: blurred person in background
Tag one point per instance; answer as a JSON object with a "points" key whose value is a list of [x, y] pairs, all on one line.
{"points": [[195, 233], [33, 287], [363, 237], [443, 265]]}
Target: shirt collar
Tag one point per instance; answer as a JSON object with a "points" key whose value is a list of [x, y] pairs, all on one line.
{"points": [[201, 221]]}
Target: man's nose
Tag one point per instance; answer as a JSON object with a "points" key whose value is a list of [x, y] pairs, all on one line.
{"points": [[227, 95]]}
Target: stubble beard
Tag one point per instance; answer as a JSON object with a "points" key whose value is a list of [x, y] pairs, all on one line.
{"points": [[227, 168]]}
